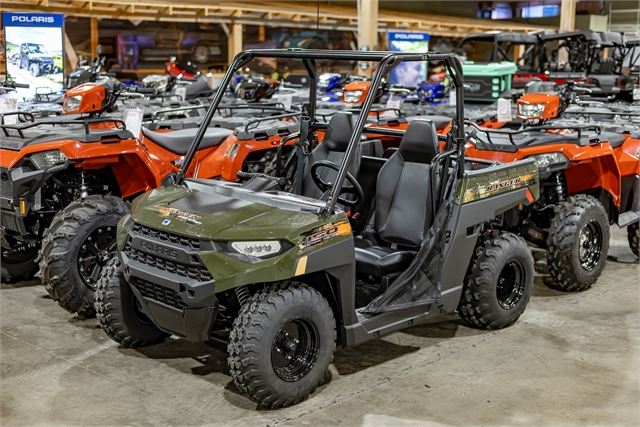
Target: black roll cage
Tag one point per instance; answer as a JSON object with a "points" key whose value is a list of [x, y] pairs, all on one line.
{"points": [[386, 61]]}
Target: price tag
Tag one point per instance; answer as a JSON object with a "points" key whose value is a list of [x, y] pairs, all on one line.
{"points": [[393, 103], [133, 120], [636, 93], [285, 99], [9, 105], [504, 110], [181, 91], [452, 96]]}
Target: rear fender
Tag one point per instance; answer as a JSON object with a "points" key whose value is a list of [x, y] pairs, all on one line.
{"points": [[596, 172]]}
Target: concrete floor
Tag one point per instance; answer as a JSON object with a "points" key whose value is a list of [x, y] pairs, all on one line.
{"points": [[571, 360]]}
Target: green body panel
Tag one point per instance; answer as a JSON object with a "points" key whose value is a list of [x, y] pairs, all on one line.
{"points": [[492, 79], [255, 221], [473, 188]]}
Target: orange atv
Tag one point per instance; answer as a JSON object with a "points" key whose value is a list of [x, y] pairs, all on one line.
{"points": [[589, 177], [67, 182]]}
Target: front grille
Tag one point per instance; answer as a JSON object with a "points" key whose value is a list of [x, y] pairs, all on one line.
{"points": [[193, 244], [160, 293], [6, 190], [198, 272], [10, 222]]}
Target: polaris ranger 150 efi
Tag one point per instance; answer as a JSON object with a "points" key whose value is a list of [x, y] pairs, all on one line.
{"points": [[282, 277]]}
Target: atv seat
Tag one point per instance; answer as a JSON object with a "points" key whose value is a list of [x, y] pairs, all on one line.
{"points": [[403, 205], [615, 139], [179, 141], [333, 148]]}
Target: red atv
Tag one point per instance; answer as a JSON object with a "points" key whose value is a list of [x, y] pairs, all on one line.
{"points": [[589, 177], [67, 182]]}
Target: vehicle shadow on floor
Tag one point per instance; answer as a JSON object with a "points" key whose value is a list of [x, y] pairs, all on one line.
{"points": [[21, 284]]}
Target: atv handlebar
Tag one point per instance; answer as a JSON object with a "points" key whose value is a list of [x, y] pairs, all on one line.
{"points": [[142, 90], [13, 84]]}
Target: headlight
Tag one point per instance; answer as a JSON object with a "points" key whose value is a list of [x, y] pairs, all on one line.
{"points": [[261, 249], [351, 96], [530, 111], [543, 161], [71, 103], [47, 159]]}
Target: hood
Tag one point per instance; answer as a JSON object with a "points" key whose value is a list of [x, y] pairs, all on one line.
{"points": [[222, 211], [41, 56]]}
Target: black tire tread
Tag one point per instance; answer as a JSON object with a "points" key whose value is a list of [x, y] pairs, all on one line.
{"points": [[73, 297], [562, 235], [242, 350], [633, 234], [474, 306], [109, 311]]}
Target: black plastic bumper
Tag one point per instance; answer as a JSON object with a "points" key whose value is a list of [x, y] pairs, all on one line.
{"points": [[18, 185], [175, 303]]}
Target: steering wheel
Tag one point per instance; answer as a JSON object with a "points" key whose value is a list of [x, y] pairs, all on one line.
{"points": [[355, 187]]}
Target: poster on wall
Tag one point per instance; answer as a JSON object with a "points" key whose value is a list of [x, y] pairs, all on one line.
{"points": [[34, 51], [409, 74]]}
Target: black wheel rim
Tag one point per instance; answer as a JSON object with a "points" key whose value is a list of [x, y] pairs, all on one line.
{"points": [[95, 253], [590, 242], [295, 349], [511, 284]]}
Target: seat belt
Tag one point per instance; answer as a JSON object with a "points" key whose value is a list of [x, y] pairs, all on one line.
{"points": [[303, 145]]}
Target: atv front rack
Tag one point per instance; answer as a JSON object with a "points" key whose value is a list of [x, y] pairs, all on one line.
{"points": [[510, 133], [182, 110], [86, 123]]}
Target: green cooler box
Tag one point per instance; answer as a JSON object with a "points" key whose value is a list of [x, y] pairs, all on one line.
{"points": [[485, 82]]}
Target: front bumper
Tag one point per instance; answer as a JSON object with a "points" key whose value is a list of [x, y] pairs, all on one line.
{"points": [[19, 185], [167, 276]]}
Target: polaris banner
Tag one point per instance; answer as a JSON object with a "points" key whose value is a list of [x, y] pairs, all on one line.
{"points": [[409, 74], [34, 51]]}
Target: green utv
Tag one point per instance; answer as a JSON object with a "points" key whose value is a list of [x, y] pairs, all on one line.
{"points": [[363, 247]]}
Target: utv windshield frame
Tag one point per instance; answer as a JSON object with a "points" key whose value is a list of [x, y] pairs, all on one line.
{"points": [[386, 61]]}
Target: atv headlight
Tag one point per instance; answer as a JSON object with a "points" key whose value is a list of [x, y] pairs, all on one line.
{"points": [[260, 249], [543, 161], [530, 111], [47, 159], [351, 96], [71, 103]]}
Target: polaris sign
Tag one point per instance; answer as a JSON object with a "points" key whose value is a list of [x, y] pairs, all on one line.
{"points": [[33, 19], [409, 37]]}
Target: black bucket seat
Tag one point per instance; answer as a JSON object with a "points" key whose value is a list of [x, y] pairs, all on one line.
{"points": [[403, 203]]}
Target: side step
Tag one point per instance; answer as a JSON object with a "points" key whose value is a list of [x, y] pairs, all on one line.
{"points": [[628, 218]]}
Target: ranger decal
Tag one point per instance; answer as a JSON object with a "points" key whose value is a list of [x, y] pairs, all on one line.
{"points": [[318, 235], [177, 214]]}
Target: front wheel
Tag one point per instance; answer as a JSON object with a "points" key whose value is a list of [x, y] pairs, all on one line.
{"points": [[281, 344], [18, 260], [633, 233], [77, 245], [34, 69], [498, 283], [119, 311], [578, 243]]}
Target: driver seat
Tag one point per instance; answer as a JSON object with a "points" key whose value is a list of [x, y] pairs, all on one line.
{"points": [[332, 148], [403, 205]]}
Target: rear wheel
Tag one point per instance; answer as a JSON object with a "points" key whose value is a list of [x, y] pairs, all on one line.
{"points": [[498, 283], [578, 243], [633, 233], [281, 344], [18, 260], [77, 245], [119, 311]]}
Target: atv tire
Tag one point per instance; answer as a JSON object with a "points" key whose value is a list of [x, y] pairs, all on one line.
{"points": [[34, 69], [18, 264], [498, 283], [79, 242], [633, 233], [578, 243], [282, 344], [117, 309]]}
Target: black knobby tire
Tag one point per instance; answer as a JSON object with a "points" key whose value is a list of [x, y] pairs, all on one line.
{"points": [[633, 233], [575, 261], [18, 263], [498, 283], [258, 366], [119, 312], [68, 247]]}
